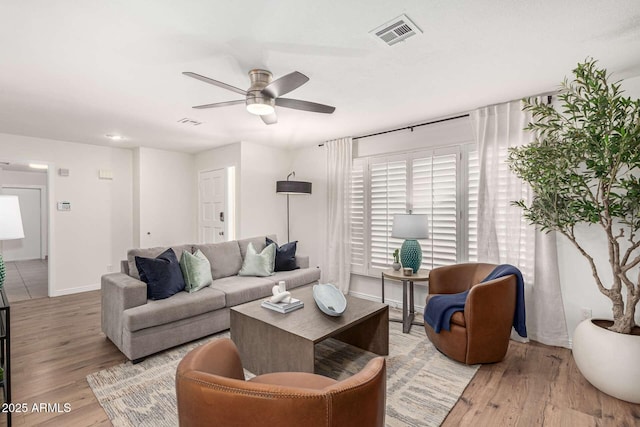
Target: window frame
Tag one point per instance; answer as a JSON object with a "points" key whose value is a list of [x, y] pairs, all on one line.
{"points": [[461, 151]]}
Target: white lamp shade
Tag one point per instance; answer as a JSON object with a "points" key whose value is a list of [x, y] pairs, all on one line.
{"points": [[410, 226], [10, 219]]}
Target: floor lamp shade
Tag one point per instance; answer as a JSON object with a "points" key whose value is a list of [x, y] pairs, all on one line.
{"points": [[10, 219], [410, 227], [10, 224], [292, 188]]}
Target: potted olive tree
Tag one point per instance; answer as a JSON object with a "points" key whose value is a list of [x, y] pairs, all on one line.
{"points": [[584, 168]]}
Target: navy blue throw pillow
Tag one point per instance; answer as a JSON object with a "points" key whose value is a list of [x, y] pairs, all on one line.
{"points": [[285, 255], [161, 274]]}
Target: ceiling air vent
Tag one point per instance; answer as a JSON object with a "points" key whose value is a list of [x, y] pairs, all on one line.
{"points": [[396, 30], [188, 121]]}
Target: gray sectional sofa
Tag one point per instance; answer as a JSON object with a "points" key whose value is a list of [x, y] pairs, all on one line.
{"points": [[140, 327]]}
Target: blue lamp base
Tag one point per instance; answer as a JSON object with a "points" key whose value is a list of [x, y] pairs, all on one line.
{"points": [[411, 254]]}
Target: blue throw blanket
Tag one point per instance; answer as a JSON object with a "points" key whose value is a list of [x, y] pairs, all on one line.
{"points": [[441, 307]]}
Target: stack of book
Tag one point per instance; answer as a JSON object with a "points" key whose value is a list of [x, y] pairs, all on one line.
{"points": [[283, 307]]}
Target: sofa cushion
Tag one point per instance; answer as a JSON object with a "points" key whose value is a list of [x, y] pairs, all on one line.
{"points": [[224, 257], [151, 253], [259, 264], [162, 275], [239, 290], [295, 278], [180, 306], [196, 270], [258, 243], [285, 255]]}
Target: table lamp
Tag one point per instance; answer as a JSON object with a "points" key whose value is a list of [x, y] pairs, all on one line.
{"points": [[410, 227], [10, 225]]}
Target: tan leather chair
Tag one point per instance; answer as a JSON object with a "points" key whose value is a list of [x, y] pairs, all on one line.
{"points": [[481, 333], [212, 391]]}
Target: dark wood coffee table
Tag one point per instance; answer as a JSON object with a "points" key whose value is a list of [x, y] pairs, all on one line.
{"points": [[273, 342]]}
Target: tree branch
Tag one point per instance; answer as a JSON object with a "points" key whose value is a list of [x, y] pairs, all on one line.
{"points": [[628, 253]]}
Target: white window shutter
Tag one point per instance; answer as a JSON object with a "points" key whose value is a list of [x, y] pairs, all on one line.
{"points": [[473, 179], [358, 219], [388, 181], [434, 182], [441, 183]]}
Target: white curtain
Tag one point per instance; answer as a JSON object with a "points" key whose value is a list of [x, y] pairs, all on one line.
{"points": [[504, 234], [338, 235]]}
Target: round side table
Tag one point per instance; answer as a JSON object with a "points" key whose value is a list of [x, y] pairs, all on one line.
{"points": [[408, 307]]}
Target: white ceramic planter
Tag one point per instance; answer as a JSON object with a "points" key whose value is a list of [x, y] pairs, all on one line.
{"points": [[608, 360]]}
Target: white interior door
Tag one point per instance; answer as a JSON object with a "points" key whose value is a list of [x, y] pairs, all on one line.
{"points": [[212, 206], [30, 246]]}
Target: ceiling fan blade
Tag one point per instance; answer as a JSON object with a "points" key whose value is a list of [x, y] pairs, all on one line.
{"points": [[220, 104], [270, 119], [285, 84], [215, 83], [304, 105]]}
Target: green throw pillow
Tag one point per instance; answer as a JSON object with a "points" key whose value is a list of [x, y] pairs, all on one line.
{"points": [[259, 264], [196, 270]]}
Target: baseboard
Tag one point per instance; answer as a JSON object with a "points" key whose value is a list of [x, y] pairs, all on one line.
{"points": [[79, 289]]}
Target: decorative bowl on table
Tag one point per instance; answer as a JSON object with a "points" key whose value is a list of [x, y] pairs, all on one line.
{"points": [[329, 299]]}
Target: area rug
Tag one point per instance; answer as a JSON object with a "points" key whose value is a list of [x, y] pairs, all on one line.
{"points": [[422, 384]]}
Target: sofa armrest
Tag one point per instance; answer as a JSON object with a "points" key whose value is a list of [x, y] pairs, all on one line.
{"points": [[302, 261], [119, 292]]}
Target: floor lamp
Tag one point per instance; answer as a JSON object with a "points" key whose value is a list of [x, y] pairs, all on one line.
{"points": [[292, 187], [410, 227], [10, 225]]}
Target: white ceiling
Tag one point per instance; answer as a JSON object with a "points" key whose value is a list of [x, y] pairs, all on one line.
{"points": [[77, 70]]}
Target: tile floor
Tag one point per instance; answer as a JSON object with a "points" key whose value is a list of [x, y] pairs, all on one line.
{"points": [[26, 279]]}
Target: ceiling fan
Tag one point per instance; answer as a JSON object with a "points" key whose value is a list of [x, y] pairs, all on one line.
{"points": [[264, 94]]}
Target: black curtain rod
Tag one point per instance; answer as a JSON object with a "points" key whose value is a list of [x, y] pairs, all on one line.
{"points": [[407, 127], [412, 126]]}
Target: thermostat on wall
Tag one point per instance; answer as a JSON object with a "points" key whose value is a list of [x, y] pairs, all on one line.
{"points": [[64, 206]]}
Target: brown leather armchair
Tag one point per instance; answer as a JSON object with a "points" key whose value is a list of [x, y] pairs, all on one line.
{"points": [[212, 391], [481, 333]]}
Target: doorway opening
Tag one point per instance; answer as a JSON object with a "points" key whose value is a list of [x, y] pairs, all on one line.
{"points": [[27, 260]]}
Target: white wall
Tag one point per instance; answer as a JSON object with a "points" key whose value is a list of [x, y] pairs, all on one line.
{"points": [[222, 158], [167, 197], [308, 213], [261, 210], [136, 197], [98, 229], [24, 178]]}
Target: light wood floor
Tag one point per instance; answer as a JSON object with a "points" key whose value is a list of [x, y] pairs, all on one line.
{"points": [[57, 342]]}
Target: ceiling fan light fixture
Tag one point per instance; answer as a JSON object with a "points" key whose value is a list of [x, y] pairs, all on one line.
{"points": [[260, 109], [259, 105]]}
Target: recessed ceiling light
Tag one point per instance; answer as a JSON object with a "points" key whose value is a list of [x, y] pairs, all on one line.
{"points": [[114, 137], [38, 166]]}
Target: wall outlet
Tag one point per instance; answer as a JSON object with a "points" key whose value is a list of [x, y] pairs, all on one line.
{"points": [[585, 313]]}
